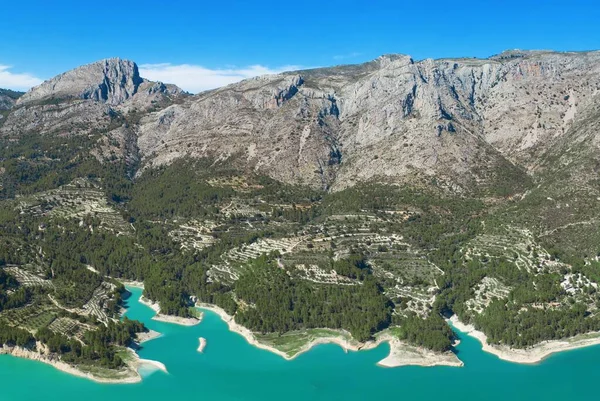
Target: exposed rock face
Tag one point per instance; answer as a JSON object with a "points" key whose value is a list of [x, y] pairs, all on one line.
{"points": [[89, 99], [110, 81], [77, 117], [465, 123], [392, 119]]}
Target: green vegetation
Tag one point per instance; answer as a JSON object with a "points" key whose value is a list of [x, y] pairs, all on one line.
{"points": [[280, 304], [11, 93], [10, 295], [286, 261], [432, 333], [99, 345], [292, 342], [12, 336]]}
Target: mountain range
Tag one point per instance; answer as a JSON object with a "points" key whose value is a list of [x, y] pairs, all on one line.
{"points": [[372, 200], [472, 125]]}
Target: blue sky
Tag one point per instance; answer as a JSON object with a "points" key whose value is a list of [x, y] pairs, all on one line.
{"points": [[202, 44]]}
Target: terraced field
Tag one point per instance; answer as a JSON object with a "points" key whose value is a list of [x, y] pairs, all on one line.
{"points": [[322, 276], [238, 183], [290, 260], [243, 208], [194, 235], [234, 260], [27, 277], [30, 317], [418, 300], [69, 327], [408, 267], [78, 199], [514, 244], [487, 290], [96, 306]]}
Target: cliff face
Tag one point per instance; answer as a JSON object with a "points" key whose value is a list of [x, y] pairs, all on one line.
{"points": [[88, 100], [465, 123], [110, 81], [393, 119]]}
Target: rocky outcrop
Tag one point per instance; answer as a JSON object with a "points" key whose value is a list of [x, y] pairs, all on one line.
{"points": [[93, 99], [70, 118], [110, 81]]}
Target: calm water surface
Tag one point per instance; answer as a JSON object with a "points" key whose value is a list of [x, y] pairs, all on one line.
{"points": [[231, 369]]}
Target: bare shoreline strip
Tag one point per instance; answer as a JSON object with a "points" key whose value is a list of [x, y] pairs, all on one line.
{"points": [[131, 376], [128, 283], [183, 321], [531, 355], [147, 336], [401, 354], [139, 362], [152, 305]]}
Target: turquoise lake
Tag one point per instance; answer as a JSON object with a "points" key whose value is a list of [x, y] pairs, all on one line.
{"points": [[231, 369]]}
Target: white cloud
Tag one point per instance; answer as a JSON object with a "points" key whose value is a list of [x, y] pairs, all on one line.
{"points": [[15, 81], [195, 78]]}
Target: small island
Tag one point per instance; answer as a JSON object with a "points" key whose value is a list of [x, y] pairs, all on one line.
{"points": [[202, 344]]}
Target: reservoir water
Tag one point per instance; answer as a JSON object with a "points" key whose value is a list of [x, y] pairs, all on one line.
{"points": [[231, 369]]}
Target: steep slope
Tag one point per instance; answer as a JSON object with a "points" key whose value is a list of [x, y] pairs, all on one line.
{"points": [[102, 100], [471, 124], [563, 207], [268, 124], [109, 81], [8, 98], [460, 125]]}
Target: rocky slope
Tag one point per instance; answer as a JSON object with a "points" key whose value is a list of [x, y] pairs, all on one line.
{"points": [[109, 81], [466, 125]]}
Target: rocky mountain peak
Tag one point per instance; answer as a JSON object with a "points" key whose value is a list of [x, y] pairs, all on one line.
{"points": [[110, 81], [386, 60]]}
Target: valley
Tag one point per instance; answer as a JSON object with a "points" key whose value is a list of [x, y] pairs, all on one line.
{"points": [[352, 204]]}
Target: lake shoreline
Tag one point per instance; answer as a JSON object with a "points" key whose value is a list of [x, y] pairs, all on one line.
{"points": [[130, 374], [401, 354], [149, 335], [159, 317], [531, 355]]}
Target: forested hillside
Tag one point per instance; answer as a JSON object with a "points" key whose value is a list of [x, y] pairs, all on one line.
{"points": [[356, 225], [279, 258]]}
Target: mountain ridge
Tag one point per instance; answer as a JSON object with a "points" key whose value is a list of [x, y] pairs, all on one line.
{"points": [[392, 119]]}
